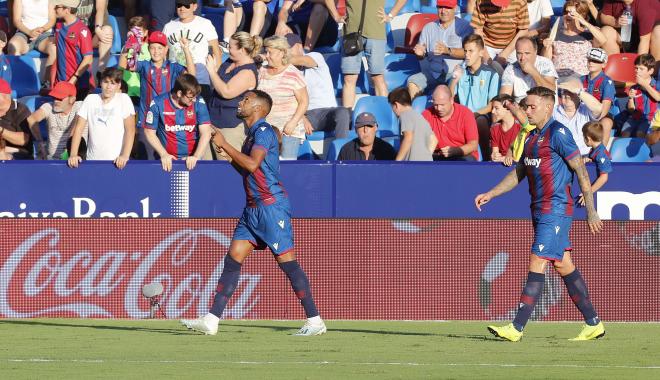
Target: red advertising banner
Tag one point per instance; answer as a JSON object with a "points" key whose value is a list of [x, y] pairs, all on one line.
{"points": [[359, 269]]}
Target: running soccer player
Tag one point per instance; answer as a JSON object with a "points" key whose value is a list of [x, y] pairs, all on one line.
{"points": [[550, 158], [178, 125], [266, 219]]}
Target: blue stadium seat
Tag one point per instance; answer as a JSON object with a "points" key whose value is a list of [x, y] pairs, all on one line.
{"points": [[394, 141], [334, 64], [335, 148], [388, 124], [218, 21], [25, 79], [630, 149], [411, 6], [421, 103], [305, 151], [320, 135], [117, 39], [398, 67]]}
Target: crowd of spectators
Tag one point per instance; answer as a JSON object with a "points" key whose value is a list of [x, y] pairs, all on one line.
{"points": [[179, 77]]}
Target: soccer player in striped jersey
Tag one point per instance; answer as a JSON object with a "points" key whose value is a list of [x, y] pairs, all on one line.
{"points": [[73, 41], [178, 125], [549, 161], [266, 219]]}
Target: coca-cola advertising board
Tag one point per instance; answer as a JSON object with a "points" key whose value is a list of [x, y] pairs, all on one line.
{"points": [[359, 269]]}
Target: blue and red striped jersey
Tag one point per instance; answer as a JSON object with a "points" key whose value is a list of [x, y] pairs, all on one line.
{"points": [[73, 43], [601, 87], [155, 81], [263, 187], [545, 157], [5, 68], [177, 128], [645, 106], [601, 157]]}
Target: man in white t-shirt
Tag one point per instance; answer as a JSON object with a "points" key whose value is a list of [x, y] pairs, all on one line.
{"points": [[202, 40], [60, 116], [322, 113], [110, 118], [530, 70]]}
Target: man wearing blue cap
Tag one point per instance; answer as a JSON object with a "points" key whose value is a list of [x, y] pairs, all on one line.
{"points": [[366, 146]]}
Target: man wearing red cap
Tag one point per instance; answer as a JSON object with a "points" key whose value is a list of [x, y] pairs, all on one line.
{"points": [[60, 116], [14, 129], [500, 23], [439, 42]]}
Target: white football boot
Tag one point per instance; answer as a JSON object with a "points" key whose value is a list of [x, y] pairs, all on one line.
{"points": [[207, 325]]}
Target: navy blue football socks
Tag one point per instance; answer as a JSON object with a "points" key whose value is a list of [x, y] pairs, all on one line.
{"points": [[226, 285], [300, 285], [530, 295], [579, 293]]}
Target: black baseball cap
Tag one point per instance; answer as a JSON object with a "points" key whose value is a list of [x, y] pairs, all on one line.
{"points": [[365, 118]]}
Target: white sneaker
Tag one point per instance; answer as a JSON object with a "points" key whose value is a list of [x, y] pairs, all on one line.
{"points": [[311, 329], [201, 324]]}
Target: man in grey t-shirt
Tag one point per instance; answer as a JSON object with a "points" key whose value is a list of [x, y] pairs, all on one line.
{"points": [[417, 139]]}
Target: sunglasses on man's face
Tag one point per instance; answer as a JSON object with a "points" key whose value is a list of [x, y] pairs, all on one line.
{"points": [[187, 6]]}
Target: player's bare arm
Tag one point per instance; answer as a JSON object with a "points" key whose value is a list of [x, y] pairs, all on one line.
{"points": [[243, 161], [507, 184], [577, 165]]}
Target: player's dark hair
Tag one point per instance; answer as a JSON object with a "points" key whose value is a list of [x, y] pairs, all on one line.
{"points": [[474, 39], [532, 41], [593, 130], [501, 98], [400, 95], [187, 84], [114, 74], [264, 97], [646, 60], [543, 92]]}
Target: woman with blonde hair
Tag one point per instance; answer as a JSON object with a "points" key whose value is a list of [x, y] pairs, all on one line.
{"points": [[574, 37], [236, 76], [286, 86]]}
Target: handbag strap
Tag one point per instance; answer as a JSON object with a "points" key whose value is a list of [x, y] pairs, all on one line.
{"points": [[364, 6]]}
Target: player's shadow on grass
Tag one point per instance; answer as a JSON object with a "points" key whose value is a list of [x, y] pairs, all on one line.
{"points": [[338, 329], [99, 327], [470, 337]]}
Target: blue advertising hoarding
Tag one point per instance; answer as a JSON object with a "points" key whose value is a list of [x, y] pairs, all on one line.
{"points": [[316, 190]]}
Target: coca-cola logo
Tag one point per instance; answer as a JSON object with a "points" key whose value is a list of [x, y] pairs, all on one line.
{"points": [[45, 275]]}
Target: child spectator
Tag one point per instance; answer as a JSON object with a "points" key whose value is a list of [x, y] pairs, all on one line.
{"points": [[61, 118], [601, 87], [136, 49], [593, 137], [110, 118], [5, 67], [653, 138], [643, 99], [516, 149], [74, 49], [157, 75], [505, 128], [417, 138]]}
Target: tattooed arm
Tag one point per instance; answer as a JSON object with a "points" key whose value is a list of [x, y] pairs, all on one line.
{"points": [[577, 165], [507, 184]]}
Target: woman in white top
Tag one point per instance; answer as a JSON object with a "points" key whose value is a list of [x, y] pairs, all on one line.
{"points": [[110, 118], [286, 86], [34, 21]]}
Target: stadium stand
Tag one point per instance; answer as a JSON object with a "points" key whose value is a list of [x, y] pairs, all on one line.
{"points": [[629, 149]]}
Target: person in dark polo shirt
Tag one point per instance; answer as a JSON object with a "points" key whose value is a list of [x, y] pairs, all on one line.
{"points": [[14, 128], [366, 146]]}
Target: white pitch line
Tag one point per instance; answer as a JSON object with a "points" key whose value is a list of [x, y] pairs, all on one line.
{"points": [[409, 364]]}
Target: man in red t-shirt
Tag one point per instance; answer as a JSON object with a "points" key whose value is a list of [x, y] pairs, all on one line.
{"points": [[454, 126], [646, 25]]}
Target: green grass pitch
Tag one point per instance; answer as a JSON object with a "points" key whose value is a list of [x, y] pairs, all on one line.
{"points": [[129, 349]]}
